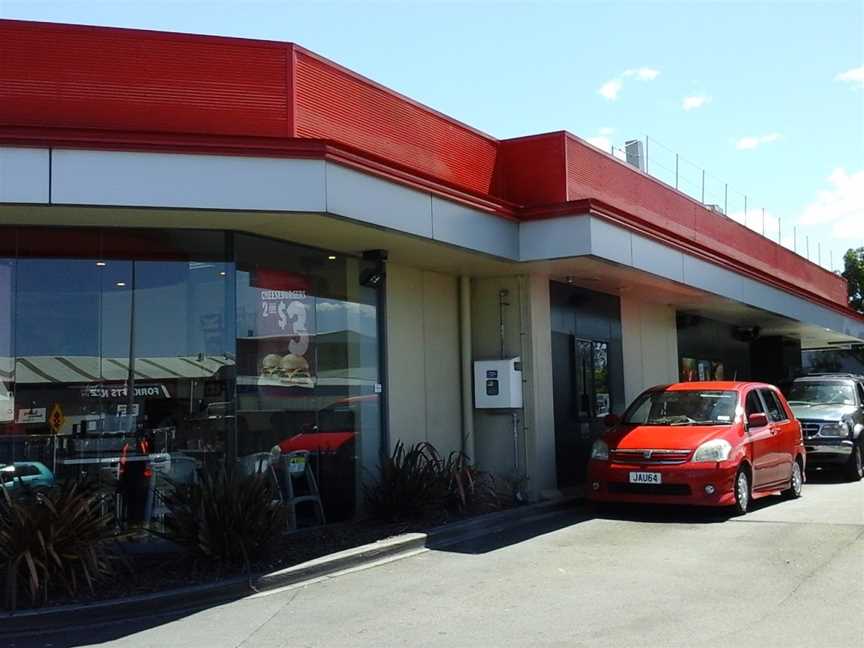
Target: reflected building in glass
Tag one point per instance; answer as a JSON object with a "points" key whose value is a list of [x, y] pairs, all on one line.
{"points": [[144, 357]]}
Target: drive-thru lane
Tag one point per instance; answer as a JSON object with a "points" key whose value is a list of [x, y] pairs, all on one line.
{"points": [[791, 573]]}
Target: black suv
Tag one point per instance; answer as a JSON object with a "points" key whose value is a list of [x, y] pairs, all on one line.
{"points": [[830, 408]]}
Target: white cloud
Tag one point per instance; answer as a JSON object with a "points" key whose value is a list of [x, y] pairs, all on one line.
{"points": [[600, 141], [841, 206], [695, 101], [855, 76], [610, 89], [642, 74], [755, 141], [607, 131]]}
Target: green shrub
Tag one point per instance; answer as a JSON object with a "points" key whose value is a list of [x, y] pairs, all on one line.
{"points": [[57, 539], [227, 519], [416, 481]]}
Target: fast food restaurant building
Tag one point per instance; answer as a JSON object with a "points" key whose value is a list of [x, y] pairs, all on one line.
{"points": [[239, 243]]}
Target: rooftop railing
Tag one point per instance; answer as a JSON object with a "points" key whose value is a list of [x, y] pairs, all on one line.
{"points": [[670, 167]]}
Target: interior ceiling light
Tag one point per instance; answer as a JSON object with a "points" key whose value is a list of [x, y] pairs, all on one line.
{"points": [[101, 264], [332, 257], [121, 284]]}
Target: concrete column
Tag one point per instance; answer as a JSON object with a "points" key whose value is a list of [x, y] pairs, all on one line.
{"points": [[527, 334], [539, 418], [467, 365], [649, 339]]}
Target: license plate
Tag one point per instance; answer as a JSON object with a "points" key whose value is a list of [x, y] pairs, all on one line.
{"points": [[645, 478]]}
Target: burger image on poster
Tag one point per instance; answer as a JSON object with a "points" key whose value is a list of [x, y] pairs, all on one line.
{"points": [[295, 371], [270, 365]]}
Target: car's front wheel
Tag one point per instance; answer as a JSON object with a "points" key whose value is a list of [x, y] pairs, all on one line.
{"points": [[742, 491], [855, 467], [796, 482]]}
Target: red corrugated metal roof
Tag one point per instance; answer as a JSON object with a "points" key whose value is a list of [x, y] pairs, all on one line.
{"points": [[68, 85]]}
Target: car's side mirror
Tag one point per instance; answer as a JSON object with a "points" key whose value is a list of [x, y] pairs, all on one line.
{"points": [[611, 420], [757, 420]]}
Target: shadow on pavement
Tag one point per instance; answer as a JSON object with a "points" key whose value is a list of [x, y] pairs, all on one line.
{"points": [[517, 533], [93, 635], [825, 476]]}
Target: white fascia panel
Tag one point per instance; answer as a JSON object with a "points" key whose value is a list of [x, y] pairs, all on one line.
{"points": [[656, 258], [711, 278], [24, 175], [555, 238], [611, 242], [371, 200], [186, 181], [474, 230]]}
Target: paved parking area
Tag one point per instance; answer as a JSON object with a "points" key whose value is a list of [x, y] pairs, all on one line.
{"points": [[789, 574]]}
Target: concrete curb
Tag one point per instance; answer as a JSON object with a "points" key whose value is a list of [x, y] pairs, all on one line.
{"points": [[189, 599]]}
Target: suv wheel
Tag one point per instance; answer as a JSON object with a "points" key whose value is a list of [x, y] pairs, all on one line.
{"points": [[742, 491], [855, 467], [796, 482]]}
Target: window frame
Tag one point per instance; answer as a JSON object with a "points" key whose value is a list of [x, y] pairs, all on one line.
{"points": [[764, 392]]}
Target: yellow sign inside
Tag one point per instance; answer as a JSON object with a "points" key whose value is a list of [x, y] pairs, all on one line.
{"points": [[56, 419]]}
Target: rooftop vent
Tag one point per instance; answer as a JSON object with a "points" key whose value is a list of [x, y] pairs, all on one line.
{"points": [[635, 153]]}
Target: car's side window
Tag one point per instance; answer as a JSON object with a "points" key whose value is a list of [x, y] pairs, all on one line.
{"points": [[775, 409], [860, 395], [753, 404]]}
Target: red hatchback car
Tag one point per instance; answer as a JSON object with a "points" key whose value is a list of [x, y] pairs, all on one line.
{"points": [[704, 443]]}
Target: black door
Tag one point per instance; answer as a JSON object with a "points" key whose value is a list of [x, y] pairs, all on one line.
{"points": [[581, 400]]}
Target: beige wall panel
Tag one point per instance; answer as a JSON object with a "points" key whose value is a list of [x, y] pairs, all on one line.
{"points": [[650, 343], [406, 375], [441, 358]]}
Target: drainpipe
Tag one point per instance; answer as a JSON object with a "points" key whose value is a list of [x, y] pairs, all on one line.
{"points": [[467, 366]]}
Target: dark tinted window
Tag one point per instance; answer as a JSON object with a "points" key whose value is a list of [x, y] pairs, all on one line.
{"points": [[775, 409], [26, 471], [754, 404], [860, 395]]}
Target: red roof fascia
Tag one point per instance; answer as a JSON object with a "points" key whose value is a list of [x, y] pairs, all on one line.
{"points": [[68, 85]]}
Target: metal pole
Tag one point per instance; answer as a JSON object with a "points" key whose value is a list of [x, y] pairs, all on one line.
{"points": [[819, 252], [130, 382], [832, 260], [795, 238], [726, 199], [779, 230], [807, 240], [703, 186], [745, 210], [676, 170], [763, 221]]}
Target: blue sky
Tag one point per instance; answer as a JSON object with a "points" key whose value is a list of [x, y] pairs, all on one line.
{"points": [[776, 90]]}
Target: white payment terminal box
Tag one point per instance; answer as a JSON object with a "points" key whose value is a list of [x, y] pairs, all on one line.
{"points": [[498, 384]]}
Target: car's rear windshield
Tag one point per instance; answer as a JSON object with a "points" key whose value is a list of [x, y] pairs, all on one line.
{"points": [[683, 407], [821, 393]]}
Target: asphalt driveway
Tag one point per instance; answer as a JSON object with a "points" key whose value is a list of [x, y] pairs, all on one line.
{"points": [[791, 573]]}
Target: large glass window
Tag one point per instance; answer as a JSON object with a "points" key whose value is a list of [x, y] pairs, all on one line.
{"points": [[142, 357], [307, 363]]}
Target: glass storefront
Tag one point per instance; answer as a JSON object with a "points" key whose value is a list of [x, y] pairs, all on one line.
{"points": [[143, 357]]}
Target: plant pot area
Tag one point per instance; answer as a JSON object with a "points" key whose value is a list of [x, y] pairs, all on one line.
{"points": [[63, 546]]}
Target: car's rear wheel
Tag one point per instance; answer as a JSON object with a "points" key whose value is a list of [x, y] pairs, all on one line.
{"points": [[796, 482], [742, 491], [855, 467]]}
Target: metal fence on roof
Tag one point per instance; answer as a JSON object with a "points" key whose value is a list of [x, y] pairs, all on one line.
{"points": [[692, 179]]}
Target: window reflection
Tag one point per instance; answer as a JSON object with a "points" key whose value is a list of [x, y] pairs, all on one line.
{"points": [[150, 356]]}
